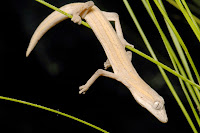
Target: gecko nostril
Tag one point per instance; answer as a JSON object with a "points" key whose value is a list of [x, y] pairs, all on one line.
{"points": [[157, 105]]}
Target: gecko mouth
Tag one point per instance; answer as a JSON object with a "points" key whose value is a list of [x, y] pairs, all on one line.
{"points": [[157, 109]]}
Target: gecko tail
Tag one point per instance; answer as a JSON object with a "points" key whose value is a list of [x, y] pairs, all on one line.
{"points": [[49, 22]]}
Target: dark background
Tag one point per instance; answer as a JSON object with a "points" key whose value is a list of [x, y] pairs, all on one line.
{"points": [[66, 57]]}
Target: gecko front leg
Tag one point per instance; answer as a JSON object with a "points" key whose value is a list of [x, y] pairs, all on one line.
{"points": [[112, 16], [99, 72]]}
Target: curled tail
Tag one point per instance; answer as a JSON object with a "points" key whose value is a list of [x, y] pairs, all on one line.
{"points": [[76, 9], [50, 21]]}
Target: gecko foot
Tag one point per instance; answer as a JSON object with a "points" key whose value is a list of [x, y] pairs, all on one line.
{"points": [[83, 89], [76, 19], [107, 64]]}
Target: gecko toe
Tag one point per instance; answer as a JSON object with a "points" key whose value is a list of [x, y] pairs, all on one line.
{"points": [[83, 89], [76, 19]]}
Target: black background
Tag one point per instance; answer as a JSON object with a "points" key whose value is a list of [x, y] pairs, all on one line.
{"points": [[66, 57]]}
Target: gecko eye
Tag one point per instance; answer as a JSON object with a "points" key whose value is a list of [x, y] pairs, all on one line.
{"points": [[157, 105]]}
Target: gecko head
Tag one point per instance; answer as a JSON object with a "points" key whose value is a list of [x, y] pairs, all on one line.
{"points": [[153, 102]]}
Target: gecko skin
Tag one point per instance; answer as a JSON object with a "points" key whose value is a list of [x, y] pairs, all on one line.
{"points": [[113, 44]]}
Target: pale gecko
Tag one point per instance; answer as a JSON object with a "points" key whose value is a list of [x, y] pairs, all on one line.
{"points": [[113, 44]]}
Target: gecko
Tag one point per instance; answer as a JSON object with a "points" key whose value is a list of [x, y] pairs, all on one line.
{"points": [[113, 43]]}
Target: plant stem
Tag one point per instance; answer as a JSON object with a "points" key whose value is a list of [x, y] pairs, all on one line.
{"points": [[155, 61], [54, 111], [172, 2], [188, 16], [177, 65], [179, 39]]}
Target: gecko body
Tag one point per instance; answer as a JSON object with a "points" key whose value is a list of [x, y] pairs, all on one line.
{"points": [[113, 44]]}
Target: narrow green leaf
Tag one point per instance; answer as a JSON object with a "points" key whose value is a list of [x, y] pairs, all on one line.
{"points": [[179, 39], [162, 72], [173, 3], [188, 16], [173, 57], [54, 111]]}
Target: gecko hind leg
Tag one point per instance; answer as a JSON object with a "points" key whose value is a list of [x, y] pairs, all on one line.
{"points": [[99, 72], [81, 12], [112, 16]]}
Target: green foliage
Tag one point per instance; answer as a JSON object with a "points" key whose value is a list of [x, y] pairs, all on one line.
{"points": [[181, 50], [53, 111], [181, 68]]}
